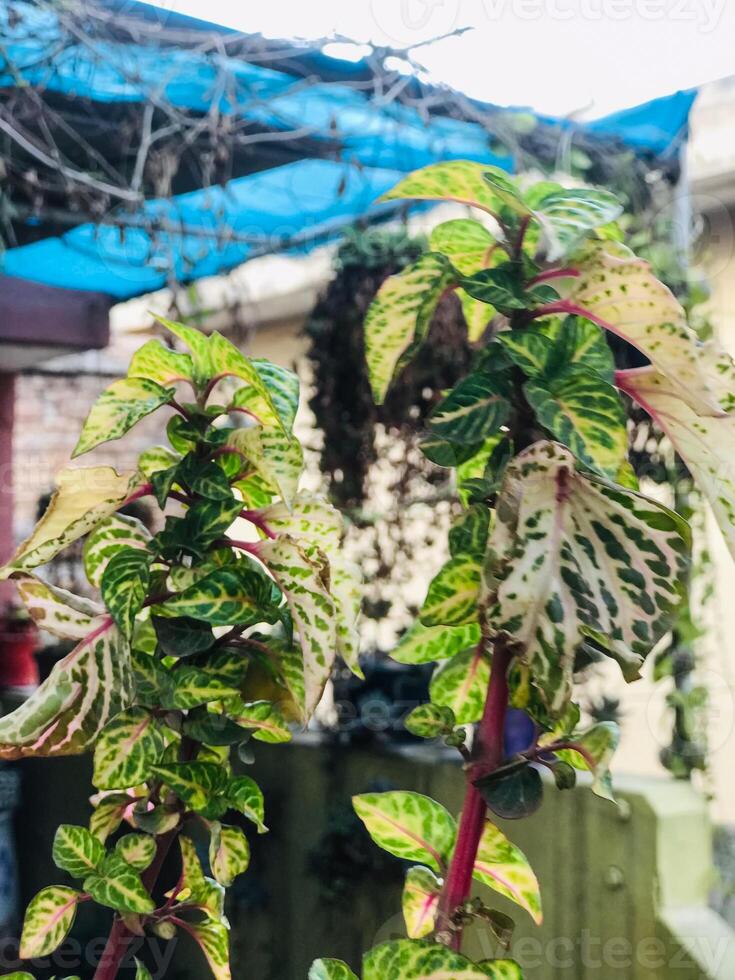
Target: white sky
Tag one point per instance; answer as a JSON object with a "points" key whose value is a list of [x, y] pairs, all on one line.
{"points": [[557, 56]]}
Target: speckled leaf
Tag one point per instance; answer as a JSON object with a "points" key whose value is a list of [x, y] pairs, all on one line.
{"points": [[430, 720], [212, 937], [398, 319], [330, 970], [226, 596], [56, 610], [283, 386], [66, 714], [130, 744], [229, 853], [124, 585], [226, 359], [276, 457], [466, 243], [420, 901], [138, 850], [579, 558], [503, 867], [618, 291], [567, 216], [409, 825], [453, 593], [453, 180], [596, 748], [312, 608], [110, 536], [48, 919], [83, 497], [76, 850], [118, 409], [585, 413], [461, 684], [502, 969], [197, 342], [424, 644], [157, 458], [473, 410], [707, 445], [406, 959], [156, 362]]}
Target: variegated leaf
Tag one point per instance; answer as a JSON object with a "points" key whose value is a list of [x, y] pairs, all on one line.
{"points": [[283, 386], [118, 409], [454, 180], [225, 359], [585, 413], [568, 215], [575, 340], [117, 885], [467, 244], [430, 721], [263, 718], [503, 867], [593, 750], [461, 684], [156, 362], [244, 795], [409, 825], [618, 291], [76, 850], [48, 919], [56, 610], [502, 969], [110, 536], [85, 689], [124, 585], [425, 644], [707, 445], [473, 410], [578, 558], [198, 344], [141, 971], [399, 317], [224, 597], [196, 783], [108, 814], [312, 608], [229, 853], [276, 457], [203, 891], [409, 959], [193, 686], [157, 458], [453, 594], [468, 534], [137, 849], [130, 744], [477, 315], [212, 937], [83, 497], [330, 970], [420, 901]]}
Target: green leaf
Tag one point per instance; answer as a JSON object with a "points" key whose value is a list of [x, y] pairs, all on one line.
{"points": [[212, 937], [227, 596], [503, 867], [48, 920], [567, 216], [577, 341], [118, 409], [530, 350], [501, 287], [420, 901], [466, 243], [408, 825], [124, 585], [513, 793], [302, 580], [138, 850], [229, 853], [85, 689], [412, 960], [244, 795], [208, 520], [76, 850], [206, 892], [398, 319], [156, 362], [474, 409], [118, 886], [453, 594], [468, 534], [263, 718], [461, 684], [141, 971], [276, 457], [330, 970], [193, 686], [55, 610], [283, 386], [430, 721], [82, 498], [182, 636], [196, 341], [157, 458], [454, 180], [109, 537], [585, 413], [196, 783], [131, 743], [594, 752], [108, 815], [424, 644], [502, 969], [183, 436], [575, 558], [225, 359], [477, 315]]}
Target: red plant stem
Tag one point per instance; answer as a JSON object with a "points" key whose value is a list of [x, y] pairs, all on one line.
{"points": [[488, 755], [257, 519], [553, 274]]}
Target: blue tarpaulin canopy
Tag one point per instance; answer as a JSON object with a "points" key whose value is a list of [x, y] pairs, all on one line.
{"points": [[296, 206]]}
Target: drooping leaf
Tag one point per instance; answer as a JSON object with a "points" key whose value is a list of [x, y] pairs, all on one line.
{"points": [[76, 850], [48, 920], [461, 684], [473, 410], [245, 796], [430, 720], [117, 885], [110, 536], [477, 314], [408, 825], [229, 853], [453, 180], [567, 216], [409, 959], [593, 750], [453, 593], [330, 970], [84, 690], [312, 608], [118, 409], [82, 498], [707, 445], [275, 456], [399, 317], [585, 413], [108, 814], [130, 744], [225, 597], [424, 644], [420, 901], [212, 937], [138, 850], [56, 610], [577, 558], [156, 362], [124, 585], [283, 386], [503, 867], [466, 243]]}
